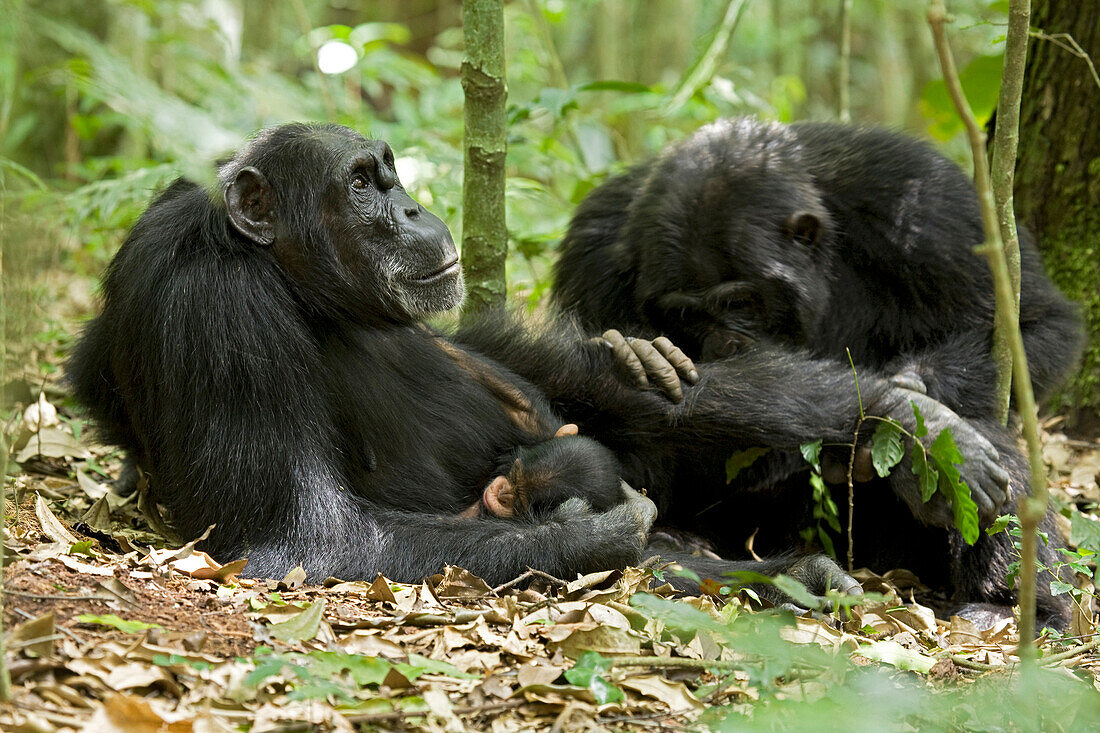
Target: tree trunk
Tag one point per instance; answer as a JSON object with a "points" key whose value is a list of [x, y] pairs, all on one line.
{"points": [[484, 237], [1058, 171]]}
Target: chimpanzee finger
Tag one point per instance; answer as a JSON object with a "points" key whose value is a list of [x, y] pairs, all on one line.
{"points": [[567, 430], [684, 366], [986, 507], [626, 356], [834, 465], [909, 379], [863, 467], [638, 504], [658, 369]]}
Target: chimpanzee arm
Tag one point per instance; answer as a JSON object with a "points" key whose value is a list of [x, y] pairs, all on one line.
{"points": [[239, 435], [762, 396], [765, 395], [959, 372], [332, 534]]}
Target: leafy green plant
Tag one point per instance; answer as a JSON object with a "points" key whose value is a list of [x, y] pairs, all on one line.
{"points": [[1083, 532], [339, 676], [936, 467], [591, 671]]}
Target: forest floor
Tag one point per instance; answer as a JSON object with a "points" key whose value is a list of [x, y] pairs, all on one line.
{"points": [[110, 629]]}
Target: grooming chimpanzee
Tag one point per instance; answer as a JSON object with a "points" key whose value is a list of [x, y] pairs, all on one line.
{"points": [[260, 353], [825, 239]]}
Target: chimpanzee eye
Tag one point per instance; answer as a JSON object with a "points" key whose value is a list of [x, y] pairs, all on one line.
{"points": [[359, 181]]}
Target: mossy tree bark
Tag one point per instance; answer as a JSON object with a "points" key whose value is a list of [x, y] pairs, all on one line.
{"points": [[1058, 170], [484, 237]]}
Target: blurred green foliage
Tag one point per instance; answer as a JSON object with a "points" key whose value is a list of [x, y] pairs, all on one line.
{"points": [[102, 102], [803, 687]]}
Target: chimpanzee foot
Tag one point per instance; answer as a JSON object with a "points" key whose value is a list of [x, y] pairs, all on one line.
{"points": [[819, 574]]}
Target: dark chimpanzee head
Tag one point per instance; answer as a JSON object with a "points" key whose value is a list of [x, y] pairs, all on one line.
{"points": [[731, 217], [328, 204]]}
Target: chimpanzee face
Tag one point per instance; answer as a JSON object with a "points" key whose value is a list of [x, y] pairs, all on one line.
{"points": [[339, 222], [378, 227], [733, 245]]}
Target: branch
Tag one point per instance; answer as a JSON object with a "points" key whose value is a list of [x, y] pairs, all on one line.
{"points": [[844, 111], [1032, 509], [703, 69], [1006, 135]]}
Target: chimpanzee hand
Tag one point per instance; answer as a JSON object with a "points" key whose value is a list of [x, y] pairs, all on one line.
{"points": [[659, 361], [981, 469], [835, 461], [627, 523]]}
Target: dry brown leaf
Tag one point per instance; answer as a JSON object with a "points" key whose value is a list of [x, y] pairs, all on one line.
{"points": [[456, 582], [83, 567], [127, 714], [964, 632], [51, 525], [42, 629], [673, 694], [199, 565], [538, 671], [602, 639], [90, 486], [52, 443], [98, 515]]}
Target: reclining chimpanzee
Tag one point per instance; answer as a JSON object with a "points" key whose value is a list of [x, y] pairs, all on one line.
{"points": [[821, 239], [260, 353]]}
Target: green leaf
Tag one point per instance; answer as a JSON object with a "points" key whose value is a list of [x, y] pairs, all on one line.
{"points": [[798, 592], [927, 474], [1084, 532], [1001, 523], [886, 447], [1058, 588], [981, 82], [742, 459], [302, 626], [168, 660], [418, 665], [110, 619], [922, 429], [947, 456], [890, 652], [364, 670], [681, 616], [812, 453], [826, 542], [611, 85], [82, 548], [269, 666], [589, 672]]}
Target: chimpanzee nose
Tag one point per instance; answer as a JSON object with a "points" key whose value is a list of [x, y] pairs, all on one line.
{"points": [[413, 211]]}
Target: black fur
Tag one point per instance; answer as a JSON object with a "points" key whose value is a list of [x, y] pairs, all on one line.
{"points": [[260, 354], [820, 237]]}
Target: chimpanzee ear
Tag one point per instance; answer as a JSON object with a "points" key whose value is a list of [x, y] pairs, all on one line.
{"points": [[804, 227], [251, 206]]}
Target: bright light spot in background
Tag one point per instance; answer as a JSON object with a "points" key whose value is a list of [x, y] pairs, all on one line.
{"points": [[336, 57], [414, 175]]}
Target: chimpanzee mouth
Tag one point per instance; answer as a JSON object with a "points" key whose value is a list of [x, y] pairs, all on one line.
{"points": [[449, 268]]}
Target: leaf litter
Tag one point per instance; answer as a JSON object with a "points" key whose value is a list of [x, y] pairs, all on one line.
{"points": [[107, 629]]}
